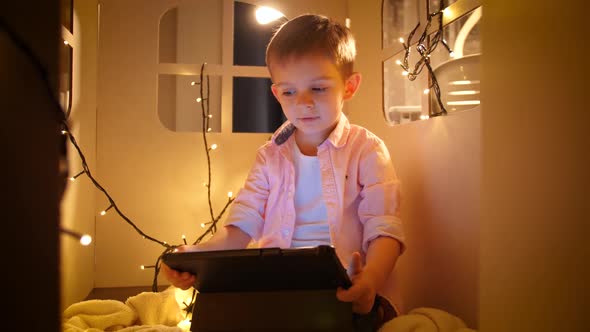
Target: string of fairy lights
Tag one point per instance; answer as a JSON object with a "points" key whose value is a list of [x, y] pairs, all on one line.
{"points": [[425, 47], [62, 120], [211, 225]]}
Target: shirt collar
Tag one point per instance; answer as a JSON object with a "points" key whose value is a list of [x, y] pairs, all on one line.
{"points": [[337, 137]]}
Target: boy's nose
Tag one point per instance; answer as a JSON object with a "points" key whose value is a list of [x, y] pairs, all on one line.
{"points": [[304, 99]]}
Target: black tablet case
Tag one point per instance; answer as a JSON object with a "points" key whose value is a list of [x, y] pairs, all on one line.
{"points": [[267, 289], [262, 269]]}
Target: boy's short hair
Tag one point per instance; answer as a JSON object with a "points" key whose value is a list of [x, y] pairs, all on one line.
{"points": [[313, 34]]}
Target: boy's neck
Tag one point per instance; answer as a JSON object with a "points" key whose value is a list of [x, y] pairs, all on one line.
{"points": [[308, 144]]}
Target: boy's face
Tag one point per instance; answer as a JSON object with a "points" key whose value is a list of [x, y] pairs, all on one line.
{"points": [[311, 92]]}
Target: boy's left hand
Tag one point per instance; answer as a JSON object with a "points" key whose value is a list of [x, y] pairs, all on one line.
{"points": [[362, 292]]}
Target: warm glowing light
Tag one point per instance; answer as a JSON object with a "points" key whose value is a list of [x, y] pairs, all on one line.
{"points": [[446, 11], [463, 102], [398, 62], [347, 22], [426, 91], [66, 42], [265, 15], [142, 267], [452, 54], [185, 325], [466, 82], [193, 83], [230, 194], [103, 212], [85, 239], [209, 129], [463, 93], [210, 116], [405, 73], [424, 117], [213, 146], [401, 40], [63, 132], [202, 225], [199, 99]]}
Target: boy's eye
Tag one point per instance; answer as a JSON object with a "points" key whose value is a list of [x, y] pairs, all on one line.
{"points": [[288, 92], [319, 89]]}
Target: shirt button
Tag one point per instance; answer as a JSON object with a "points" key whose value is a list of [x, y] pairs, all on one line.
{"points": [[285, 233]]}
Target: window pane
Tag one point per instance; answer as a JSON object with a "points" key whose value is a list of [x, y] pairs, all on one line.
{"points": [[403, 100], [255, 109], [178, 108], [399, 18], [250, 37], [192, 32], [67, 14], [65, 77], [459, 76]]}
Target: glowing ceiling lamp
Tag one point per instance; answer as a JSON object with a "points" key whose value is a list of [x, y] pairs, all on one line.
{"points": [[265, 15]]}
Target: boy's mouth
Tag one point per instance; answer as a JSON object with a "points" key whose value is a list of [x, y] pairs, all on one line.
{"points": [[308, 118]]}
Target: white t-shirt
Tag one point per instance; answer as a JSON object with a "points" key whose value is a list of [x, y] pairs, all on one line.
{"points": [[311, 216]]}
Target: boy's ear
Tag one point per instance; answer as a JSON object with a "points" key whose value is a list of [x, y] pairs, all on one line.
{"points": [[275, 91], [351, 85]]}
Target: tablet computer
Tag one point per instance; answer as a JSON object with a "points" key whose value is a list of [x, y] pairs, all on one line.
{"points": [[262, 269]]}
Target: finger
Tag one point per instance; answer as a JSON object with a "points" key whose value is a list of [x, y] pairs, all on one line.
{"points": [[349, 295], [355, 266]]}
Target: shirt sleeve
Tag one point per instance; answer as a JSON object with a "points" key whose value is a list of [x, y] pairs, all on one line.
{"points": [[379, 208], [247, 210]]}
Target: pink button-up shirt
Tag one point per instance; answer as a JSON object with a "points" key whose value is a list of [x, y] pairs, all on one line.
{"points": [[359, 185]]}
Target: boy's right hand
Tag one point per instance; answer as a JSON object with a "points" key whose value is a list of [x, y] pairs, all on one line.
{"points": [[182, 280]]}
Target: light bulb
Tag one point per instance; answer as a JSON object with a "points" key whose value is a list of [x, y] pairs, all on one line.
{"points": [[426, 91], [202, 225], [66, 42], [193, 83], [210, 116], [230, 194], [401, 40], [424, 117], [265, 15], [213, 146], [199, 99], [405, 73], [398, 62], [85, 240], [209, 129]]}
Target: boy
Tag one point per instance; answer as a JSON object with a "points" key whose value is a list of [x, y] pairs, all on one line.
{"points": [[320, 180]]}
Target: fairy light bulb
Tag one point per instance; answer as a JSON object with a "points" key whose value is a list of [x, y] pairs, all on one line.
{"points": [[213, 146], [193, 83], [405, 73], [210, 116], [398, 62], [73, 178], [401, 40], [199, 99], [426, 91], [230, 194], [66, 42], [202, 225], [209, 130], [424, 117], [103, 212], [85, 240], [452, 54]]}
